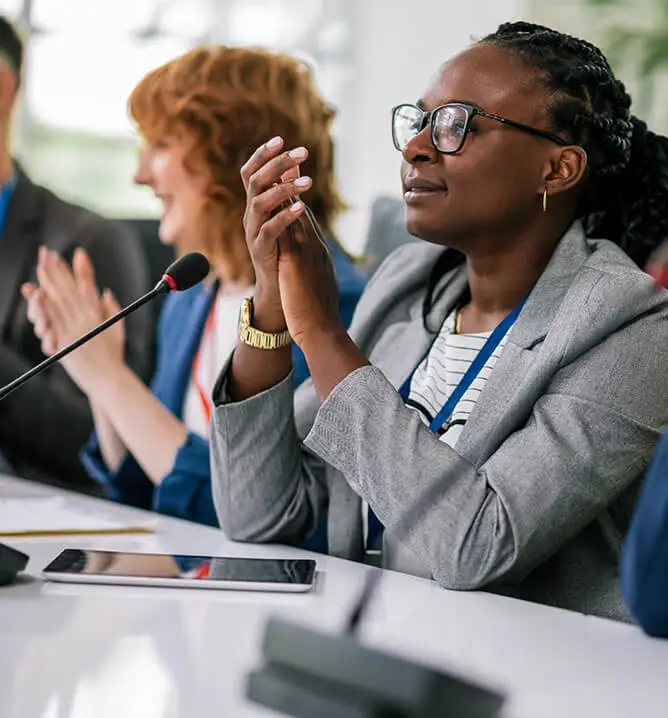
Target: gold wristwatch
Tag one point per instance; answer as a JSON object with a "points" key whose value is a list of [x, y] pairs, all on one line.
{"points": [[256, 338]]}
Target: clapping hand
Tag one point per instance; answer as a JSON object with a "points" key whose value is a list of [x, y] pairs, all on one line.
{"points": [[64, 305], [296, 282]]}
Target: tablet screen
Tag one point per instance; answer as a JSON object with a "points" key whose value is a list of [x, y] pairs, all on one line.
{"points": [[175, 566]]}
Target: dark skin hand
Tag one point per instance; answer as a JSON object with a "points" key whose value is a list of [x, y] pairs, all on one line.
{"points": [[290, 262], [485, 200]]}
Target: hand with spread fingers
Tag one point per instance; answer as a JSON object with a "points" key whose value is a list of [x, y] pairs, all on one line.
{"points": [[64, 306], [295, 278]]}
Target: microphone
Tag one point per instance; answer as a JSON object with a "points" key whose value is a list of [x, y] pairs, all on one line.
{"points": [[185, 272], [308, 673]]}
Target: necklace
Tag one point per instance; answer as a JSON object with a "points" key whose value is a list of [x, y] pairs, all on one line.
{"points": [[458, 320]]}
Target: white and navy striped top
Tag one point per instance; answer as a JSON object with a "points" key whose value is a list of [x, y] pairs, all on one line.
{"points": [[441, 371]]}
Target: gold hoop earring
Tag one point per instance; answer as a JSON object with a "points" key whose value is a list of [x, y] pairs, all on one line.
{"points": [[545, 200]]}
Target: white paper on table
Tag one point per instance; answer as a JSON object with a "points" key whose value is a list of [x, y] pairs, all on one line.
{"points": [[54, 515]]}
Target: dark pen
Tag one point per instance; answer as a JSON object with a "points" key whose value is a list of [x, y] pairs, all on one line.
{"points": [[371, 580]]}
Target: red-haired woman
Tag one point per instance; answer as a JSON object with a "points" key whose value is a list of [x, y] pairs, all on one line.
{"points": [[200, 116]]}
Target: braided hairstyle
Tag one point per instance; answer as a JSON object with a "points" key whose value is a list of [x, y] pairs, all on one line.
{"points": [[625, 196]]}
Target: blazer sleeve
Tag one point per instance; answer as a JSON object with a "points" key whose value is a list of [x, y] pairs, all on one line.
{"points": [[588, 437], [33, 419], [128, 484], [290, 502], [185, 492], [644, 565]]}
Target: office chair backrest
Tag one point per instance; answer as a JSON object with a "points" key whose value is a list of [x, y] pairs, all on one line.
{"points": [[386, 232]]}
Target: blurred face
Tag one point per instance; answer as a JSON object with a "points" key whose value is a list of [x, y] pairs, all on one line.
{"points": [[162, 168], [8, 89], [493, 184]]}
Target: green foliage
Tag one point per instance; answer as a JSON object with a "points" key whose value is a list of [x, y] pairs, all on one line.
{"points": [[641, 48]]}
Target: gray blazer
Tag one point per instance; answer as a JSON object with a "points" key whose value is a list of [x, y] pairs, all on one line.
{"points": [[536, 496]]}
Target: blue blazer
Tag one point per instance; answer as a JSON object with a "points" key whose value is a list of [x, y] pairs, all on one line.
{"points": [[186, 491], [644, 564]]}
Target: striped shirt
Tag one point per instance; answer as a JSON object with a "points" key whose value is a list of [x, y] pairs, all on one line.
{"points": [[441, 371]]}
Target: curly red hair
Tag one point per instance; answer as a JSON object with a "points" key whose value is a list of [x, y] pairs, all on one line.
{"points": [[227, 101]]}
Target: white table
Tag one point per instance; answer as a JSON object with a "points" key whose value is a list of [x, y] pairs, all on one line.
{"points": [[73, 651]]}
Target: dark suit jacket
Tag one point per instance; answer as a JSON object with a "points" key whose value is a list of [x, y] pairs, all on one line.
{"points": [[44, 424], [644, 566]]}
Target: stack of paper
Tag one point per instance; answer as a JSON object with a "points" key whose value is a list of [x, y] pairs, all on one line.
{"points": [[53, 516]]}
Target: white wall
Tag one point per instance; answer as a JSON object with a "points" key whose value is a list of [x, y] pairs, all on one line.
{"points": [[400, 45]]}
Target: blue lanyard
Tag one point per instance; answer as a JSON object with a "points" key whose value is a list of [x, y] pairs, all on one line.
{"points": [[474, 369], [5, 197]]}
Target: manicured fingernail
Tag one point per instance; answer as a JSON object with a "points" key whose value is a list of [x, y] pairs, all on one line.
{"points": [[296, 207], [274, 142], [299, 153], [302, 181]]}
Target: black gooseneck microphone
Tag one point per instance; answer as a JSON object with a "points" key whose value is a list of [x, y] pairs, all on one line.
{"points": [[182, 274]]}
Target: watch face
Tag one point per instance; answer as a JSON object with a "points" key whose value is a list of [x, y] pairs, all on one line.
{"points": [[244, 314]]}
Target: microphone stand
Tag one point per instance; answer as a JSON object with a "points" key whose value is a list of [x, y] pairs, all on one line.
{"points": [[160, 288]]}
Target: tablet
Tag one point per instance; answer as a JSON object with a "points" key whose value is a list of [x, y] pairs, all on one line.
{"points": [[175, 570]]}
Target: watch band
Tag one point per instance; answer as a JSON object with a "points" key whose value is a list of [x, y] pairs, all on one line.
{"points": [[253, 337]]}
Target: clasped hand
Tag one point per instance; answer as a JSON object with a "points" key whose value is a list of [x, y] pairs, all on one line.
{"points": [[64, 305], [295, 278]]}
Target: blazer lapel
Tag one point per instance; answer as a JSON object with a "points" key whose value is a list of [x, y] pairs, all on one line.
{"points": [[19, 244], [511, 389], [182, 335], [405, 343]]}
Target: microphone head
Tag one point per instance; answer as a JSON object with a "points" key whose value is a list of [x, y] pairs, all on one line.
{"points": [[185, 272]]}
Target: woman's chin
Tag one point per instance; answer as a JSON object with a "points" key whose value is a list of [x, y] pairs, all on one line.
{"points": [[420, 226], [168, 235]]}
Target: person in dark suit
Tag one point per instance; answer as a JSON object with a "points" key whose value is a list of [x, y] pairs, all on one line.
{"points": [[44, 424]]}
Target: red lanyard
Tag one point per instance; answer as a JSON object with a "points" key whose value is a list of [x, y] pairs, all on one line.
{"points": [[205, 401]]}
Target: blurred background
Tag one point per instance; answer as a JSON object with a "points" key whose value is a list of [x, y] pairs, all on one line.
{"points": [[84, 56]]}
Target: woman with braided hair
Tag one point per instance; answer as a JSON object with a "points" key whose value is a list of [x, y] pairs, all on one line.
{"points": [[487, 419]]}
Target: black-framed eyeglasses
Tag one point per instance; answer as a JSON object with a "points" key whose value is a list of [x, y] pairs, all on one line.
{"points": [[450, 125]]}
